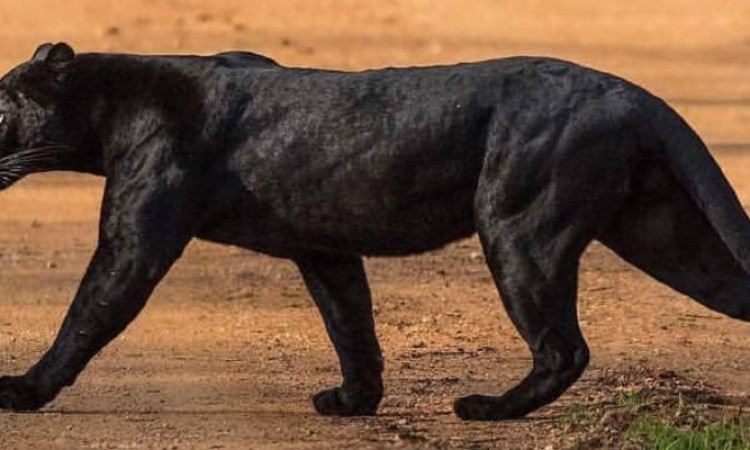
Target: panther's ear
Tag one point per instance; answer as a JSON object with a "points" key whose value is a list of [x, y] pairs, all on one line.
{"points": [[47, 72], [56, 57], [41, 52]]}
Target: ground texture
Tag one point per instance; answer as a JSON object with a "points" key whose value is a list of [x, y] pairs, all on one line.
{"points": [[229, 350]]}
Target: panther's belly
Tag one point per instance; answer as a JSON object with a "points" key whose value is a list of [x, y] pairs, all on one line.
{"points": [[422, 226]]}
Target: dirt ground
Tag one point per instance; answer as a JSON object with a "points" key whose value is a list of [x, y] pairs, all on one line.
{"points": [[229, 350]]}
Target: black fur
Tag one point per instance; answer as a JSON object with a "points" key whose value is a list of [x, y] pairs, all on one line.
{"points": [[538, 156]]}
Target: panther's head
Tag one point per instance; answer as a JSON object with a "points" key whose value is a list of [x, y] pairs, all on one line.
{"points": [[32, 131]]}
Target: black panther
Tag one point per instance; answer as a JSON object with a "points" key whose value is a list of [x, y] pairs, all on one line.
{"points": [[536, 155]]}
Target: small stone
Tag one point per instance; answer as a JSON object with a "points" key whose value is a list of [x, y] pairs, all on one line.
{"points": [[475, 256]]}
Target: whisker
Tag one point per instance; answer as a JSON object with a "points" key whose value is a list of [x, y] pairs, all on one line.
{"points": [[6, 179], [41, 153], [33, 159], [18, 164]]}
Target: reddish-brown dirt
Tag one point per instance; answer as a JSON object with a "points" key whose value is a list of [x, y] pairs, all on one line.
{"points": [[229, 350]]}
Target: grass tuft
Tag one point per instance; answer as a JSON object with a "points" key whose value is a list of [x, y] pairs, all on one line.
{"points": [[658, 434], [643, 409]]}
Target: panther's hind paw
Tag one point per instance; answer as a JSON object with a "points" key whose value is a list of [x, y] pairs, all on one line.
{"points": [[336, 402], [482, 407], [18, 395]]}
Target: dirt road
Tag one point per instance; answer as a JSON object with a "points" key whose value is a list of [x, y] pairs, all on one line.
{"points": [[229, 350]]}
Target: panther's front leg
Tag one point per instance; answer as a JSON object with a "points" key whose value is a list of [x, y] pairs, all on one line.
{"points": [[339, 287], [146, 221]]}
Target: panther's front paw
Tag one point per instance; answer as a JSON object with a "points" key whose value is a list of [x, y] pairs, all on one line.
{"points": [[17, 394], [337, 402]]}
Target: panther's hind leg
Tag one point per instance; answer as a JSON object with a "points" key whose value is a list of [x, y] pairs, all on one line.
{"points": [[538, 290], [533, 231], [339, 287]]}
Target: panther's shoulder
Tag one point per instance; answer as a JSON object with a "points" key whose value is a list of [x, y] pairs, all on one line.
{"points": [[237, 59]]}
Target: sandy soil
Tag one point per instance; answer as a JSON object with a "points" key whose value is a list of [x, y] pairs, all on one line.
{"points": [[229, 350]]}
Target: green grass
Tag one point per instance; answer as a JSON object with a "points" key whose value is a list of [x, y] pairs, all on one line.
{"points": [[576, 415], [651, 418], [652, 433], [635, 401], [634, 421]]}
